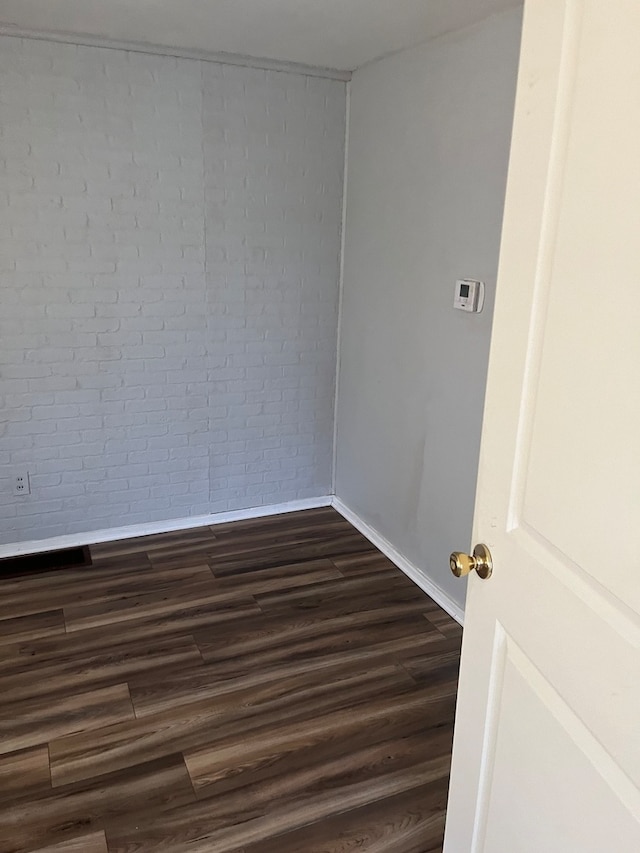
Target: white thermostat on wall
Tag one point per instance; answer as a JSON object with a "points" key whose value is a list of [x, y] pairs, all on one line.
{"points": [[469, 295]]}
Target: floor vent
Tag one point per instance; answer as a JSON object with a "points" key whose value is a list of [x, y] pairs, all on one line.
{"points": [[68, 558]]}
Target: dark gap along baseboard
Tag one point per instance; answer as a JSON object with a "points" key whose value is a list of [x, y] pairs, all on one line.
{"points": [[66, 558]]}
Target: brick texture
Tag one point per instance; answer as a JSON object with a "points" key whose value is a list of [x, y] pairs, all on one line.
{"points": [[169, 251]]}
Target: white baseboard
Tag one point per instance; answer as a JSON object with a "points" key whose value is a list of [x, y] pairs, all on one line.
{"points": [[132, 531], [406, 566]]}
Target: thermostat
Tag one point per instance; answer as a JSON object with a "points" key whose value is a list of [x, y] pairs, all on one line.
{"points": [[469, 295]]}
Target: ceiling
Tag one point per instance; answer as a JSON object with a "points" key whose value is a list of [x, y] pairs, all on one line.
{"points": [[338, 34]]}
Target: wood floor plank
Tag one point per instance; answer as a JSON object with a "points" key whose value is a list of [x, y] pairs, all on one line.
{"points": [[140, 792], [150, 602], [307, 642], [96, 842], [79, 617], [424, 667], [260, 580], [32, 583], [71, 667], [27, 626], [99, 587], [183, 727], [351, 596], [411, 822], [443, 622], [37, 721], [339, 760], [311, 519], [214, 679], [363, 562], [213, 762], [235, 560], [143, 545], [329, 537], [274, 684], [25, 772], [333, 589], [150, 629], [309, 633], [228, 823]]}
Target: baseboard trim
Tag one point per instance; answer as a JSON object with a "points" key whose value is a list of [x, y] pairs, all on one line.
{"points": [[405, 565], [132, 531]]}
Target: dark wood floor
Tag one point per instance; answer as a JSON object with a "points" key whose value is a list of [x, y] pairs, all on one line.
{"points": [[268, 686]]}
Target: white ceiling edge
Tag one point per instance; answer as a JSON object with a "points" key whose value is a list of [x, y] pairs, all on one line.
{"points": [[86, 40], [445, 34]]}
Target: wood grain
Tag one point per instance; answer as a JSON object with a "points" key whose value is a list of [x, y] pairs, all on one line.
{"points": [[246, 706], [233, 821], [25, 771], [268, 685], [44, 624], [411, 822], [94, 843], [138, 794], [40, 720], [80, 667]]}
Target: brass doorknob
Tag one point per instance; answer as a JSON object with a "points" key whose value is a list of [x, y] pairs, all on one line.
{"points": [[461, 564]]}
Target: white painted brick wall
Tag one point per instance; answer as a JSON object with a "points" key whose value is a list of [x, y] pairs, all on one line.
{"points": [[274, 161], [169, 242]]}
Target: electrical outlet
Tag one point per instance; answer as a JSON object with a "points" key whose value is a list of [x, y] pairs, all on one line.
{"points": [[21, 484]]}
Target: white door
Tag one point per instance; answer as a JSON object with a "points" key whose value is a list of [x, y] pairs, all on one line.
{"points": [[547, 743]]}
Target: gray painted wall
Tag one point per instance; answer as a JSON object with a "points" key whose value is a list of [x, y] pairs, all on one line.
{"points": [[429, 139], [169, 254]]}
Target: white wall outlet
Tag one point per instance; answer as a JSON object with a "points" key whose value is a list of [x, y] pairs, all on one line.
{"points": [[21, 484]]}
